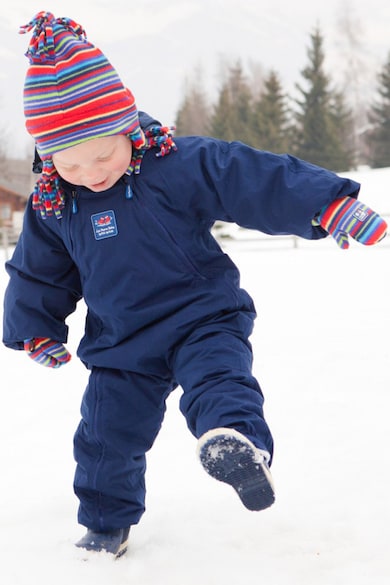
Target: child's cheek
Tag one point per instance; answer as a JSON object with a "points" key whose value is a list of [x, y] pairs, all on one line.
{"points": [[67, 176]]}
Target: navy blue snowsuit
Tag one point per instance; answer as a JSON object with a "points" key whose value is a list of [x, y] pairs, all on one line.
{"points": [[165, 307]]}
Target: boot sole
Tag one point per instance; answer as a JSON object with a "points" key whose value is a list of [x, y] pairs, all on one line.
{"points": [[231, 458]]}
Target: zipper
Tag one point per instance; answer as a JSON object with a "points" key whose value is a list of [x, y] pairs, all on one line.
{"points": [[74, 196], [70, 214], [75, 207]]}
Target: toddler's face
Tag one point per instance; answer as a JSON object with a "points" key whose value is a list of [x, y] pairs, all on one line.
{"points": [[96, 164]]}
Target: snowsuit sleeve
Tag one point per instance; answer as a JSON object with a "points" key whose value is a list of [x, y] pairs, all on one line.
{"points": [[42, 276], [275, 194]]}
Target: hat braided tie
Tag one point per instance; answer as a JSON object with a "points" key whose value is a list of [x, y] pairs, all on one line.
{"points": [[47, 196]]}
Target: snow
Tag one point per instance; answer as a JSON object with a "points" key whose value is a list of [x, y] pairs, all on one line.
{"points": [[321, 347]]}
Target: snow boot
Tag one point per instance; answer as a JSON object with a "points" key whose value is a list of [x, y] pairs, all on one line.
{"points": [[113, 542], [229, 456]]}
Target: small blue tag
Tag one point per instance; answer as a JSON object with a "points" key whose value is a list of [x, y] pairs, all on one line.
{"points": [[104, 225]]}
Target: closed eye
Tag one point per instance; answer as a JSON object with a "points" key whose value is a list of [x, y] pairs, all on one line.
{"points": [[69, 167], [105, 157]]}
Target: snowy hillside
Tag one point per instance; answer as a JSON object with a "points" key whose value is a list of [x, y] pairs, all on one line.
{"points": [[322, 356]]}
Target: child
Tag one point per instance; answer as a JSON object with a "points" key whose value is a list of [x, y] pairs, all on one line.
{"points": [[129, 232]]}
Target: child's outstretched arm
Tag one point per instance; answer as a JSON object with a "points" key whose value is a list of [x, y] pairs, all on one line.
{"points": [[348, 217]]}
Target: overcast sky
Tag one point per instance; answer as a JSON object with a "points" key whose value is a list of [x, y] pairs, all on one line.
{"points": [[157, 44]]}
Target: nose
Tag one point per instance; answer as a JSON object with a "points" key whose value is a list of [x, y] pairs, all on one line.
{"points": [[91, 176]]}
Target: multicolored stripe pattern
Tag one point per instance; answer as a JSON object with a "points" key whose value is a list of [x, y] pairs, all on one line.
{"points": [[347, 217], [155, 137], [72, 93], [47, 197], [47, 352]]}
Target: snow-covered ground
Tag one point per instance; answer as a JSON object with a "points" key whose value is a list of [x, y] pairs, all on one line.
{"points": [[322, 356]]}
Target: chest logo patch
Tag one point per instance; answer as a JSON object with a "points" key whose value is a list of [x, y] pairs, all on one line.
{"points": [[104, 225]]}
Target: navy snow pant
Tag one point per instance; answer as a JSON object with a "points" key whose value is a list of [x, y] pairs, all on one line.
{"points": [[122, 413]]}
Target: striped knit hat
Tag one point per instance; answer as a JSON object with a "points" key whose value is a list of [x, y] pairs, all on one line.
{"points": [[71, 94]]}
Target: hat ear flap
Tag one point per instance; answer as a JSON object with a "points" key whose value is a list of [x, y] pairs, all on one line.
{"points": [[155, 136], [138, 138], [47, 197]]}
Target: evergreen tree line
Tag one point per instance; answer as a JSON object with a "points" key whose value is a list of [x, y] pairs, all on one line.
{"points": [[319, 126]]}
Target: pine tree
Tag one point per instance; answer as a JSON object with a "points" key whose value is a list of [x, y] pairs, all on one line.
{"points": [[193, 116], [379, 136], [271, 117], [321, 123], [221, 120], [232, 117], [344, 125]]}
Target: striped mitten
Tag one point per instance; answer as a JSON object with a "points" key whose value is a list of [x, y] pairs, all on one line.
{"points": [[46, 352], [347, 217]]}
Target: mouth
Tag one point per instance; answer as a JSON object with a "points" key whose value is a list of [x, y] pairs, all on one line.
{"points": [[101, 185]]}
